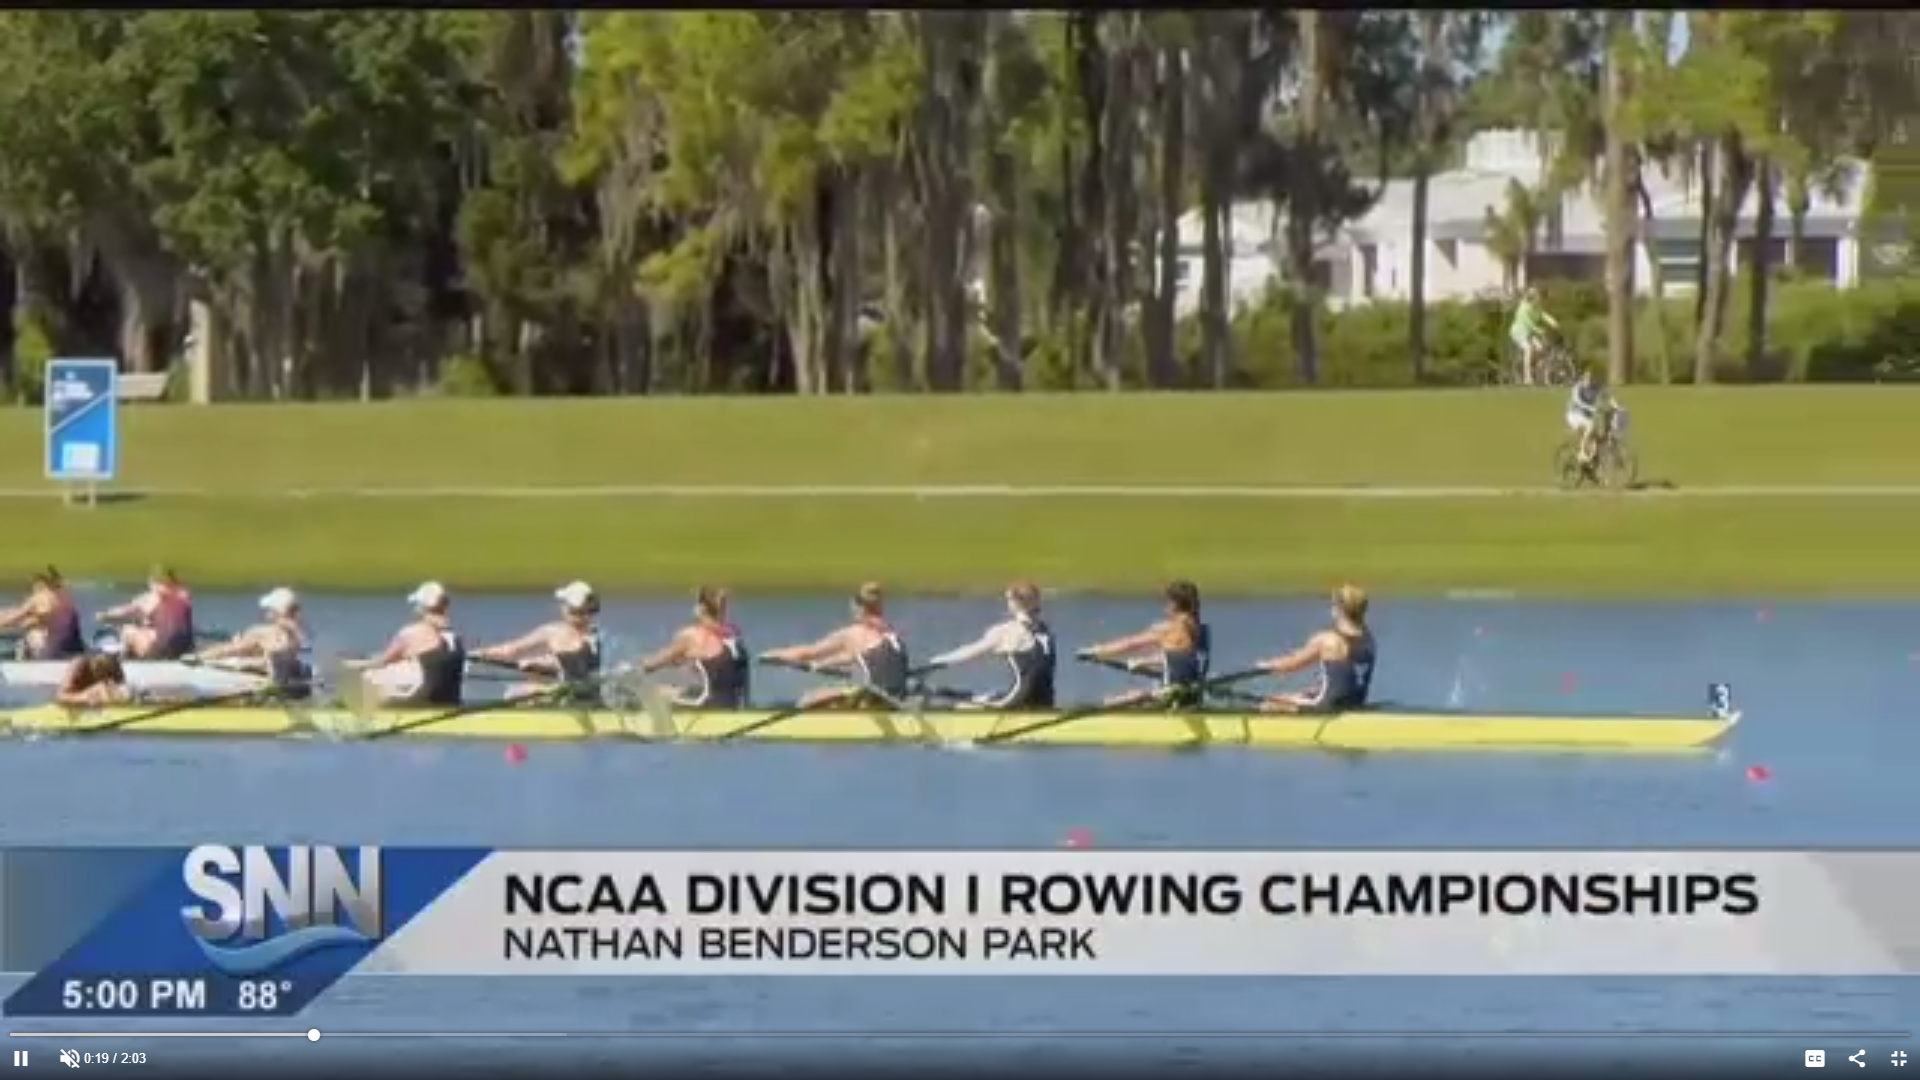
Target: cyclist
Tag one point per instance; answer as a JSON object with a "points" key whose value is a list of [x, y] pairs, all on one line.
{"points": [[1529, 331], [1588, 406]]}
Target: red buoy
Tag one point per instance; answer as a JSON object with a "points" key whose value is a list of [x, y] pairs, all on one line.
{"points": [[1759, 773], [516, 753]]}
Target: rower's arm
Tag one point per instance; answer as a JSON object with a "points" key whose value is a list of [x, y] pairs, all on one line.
{"points": [[994, 640], [1298, 660], [122, 613], [395, 652], [516, 648], [1118, 647], [16, 615], [246, 642], [675, 652], [828, 650]]}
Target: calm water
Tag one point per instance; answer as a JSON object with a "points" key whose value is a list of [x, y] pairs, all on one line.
{"points": [[1824, 687]]}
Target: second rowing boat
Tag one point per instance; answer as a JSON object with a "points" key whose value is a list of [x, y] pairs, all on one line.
{"points": [[210, 679]]}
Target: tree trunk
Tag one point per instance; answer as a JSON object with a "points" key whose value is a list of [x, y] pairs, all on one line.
{"points": [[1162, 365], [1656, 274], [1417, 270], [1732, 165], [1003, 242], [1760, 270], [1619, 212], [1302, 197], [1799, 202]]}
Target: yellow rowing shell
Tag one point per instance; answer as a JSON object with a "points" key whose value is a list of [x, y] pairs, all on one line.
{"points": [[1370, 730]]}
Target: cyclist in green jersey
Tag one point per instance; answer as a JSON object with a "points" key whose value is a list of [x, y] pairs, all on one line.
{"points": [[1529, 331]]}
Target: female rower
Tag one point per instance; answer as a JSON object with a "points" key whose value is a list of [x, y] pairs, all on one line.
{"points": [[161, 618], [430, 642], [94, 681], [1026, 644], [275, 648], [714, 650], [49, 617], [1185, 645], [868, 645], [1345, 653], [567, 649]]}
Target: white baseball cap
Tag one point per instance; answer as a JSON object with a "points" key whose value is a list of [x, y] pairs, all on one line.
{"points": [[279, 601], [429, 595], [577, 594]]}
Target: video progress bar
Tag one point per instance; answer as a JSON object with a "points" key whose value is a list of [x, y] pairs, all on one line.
{"points": [[314, 1035]]}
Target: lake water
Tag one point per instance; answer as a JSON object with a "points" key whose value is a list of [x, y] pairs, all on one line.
{"points": [[1826, 689]]}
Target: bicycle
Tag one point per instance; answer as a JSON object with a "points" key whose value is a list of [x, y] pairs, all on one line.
{"points": [[1614, 463], [1553, 366]]}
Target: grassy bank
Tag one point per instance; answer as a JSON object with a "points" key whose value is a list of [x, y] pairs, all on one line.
{"points": [[1603, 546], [239, 460], [1784, 435]]}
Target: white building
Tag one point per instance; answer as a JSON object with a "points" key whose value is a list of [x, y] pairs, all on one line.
{"points": [[1371, 258]]}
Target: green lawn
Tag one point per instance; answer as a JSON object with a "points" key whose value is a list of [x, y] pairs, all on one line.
{"points": [[1605, 545], [1792, 435]]}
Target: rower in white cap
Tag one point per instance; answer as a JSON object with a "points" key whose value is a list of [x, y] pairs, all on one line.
{"points": [[274, 648], [431, 643], [567, 649]]}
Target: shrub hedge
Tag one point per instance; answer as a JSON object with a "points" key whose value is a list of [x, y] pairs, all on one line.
{"points": [[1815, 333]]}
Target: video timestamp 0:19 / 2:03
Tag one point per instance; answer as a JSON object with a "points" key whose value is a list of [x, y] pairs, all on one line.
{"points": [[71, 1058]]}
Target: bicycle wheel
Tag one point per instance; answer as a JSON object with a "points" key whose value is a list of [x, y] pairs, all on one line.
{"points": [[1619, 466], [1566, 466], [1556, 368]]}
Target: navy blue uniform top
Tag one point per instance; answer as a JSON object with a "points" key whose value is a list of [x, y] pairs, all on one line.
{"points": [[1033, 668], [1344, 684], [884, 666], [61, 637], [443, 672], [289, 674], [726, 676], [580, 671], [1183, 672]]}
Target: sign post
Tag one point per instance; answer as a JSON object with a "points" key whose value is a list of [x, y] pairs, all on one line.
{"points": [[83, 423]]}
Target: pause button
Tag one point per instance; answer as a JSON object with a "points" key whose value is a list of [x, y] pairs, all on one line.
{"points": [[19, 1057]]}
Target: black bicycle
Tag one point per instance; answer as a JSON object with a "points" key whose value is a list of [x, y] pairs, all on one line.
{"points": [[1614, 463]]}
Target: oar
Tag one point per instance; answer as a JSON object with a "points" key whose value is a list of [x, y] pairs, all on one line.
{"points": [[169, 710], [1155, 697], [835, 671], [1123, 666], [544, 697]]}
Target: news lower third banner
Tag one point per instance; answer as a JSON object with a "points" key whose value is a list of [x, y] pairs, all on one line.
{"points": [[263, 931]]}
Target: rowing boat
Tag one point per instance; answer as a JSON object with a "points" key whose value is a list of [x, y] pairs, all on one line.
{"points": [[170, 675], [1389, 728]]}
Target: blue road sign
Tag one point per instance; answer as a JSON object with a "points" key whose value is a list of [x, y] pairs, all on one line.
{"points": [[83, 420]]}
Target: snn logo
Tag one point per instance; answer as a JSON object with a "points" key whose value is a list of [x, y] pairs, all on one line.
{"points": [[271, 914]]}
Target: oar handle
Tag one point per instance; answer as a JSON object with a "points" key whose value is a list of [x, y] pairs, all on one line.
{"points": [[1127, 667]]}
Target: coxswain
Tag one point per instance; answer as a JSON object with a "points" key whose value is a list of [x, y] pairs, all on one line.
{"points": [[1345, 653], [566, 649], [157, 624], [868, 646], [1025, 642], [50, 619], [1185, 646], [95, 681], [712, 648], [275, 648], [429, 641]]}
